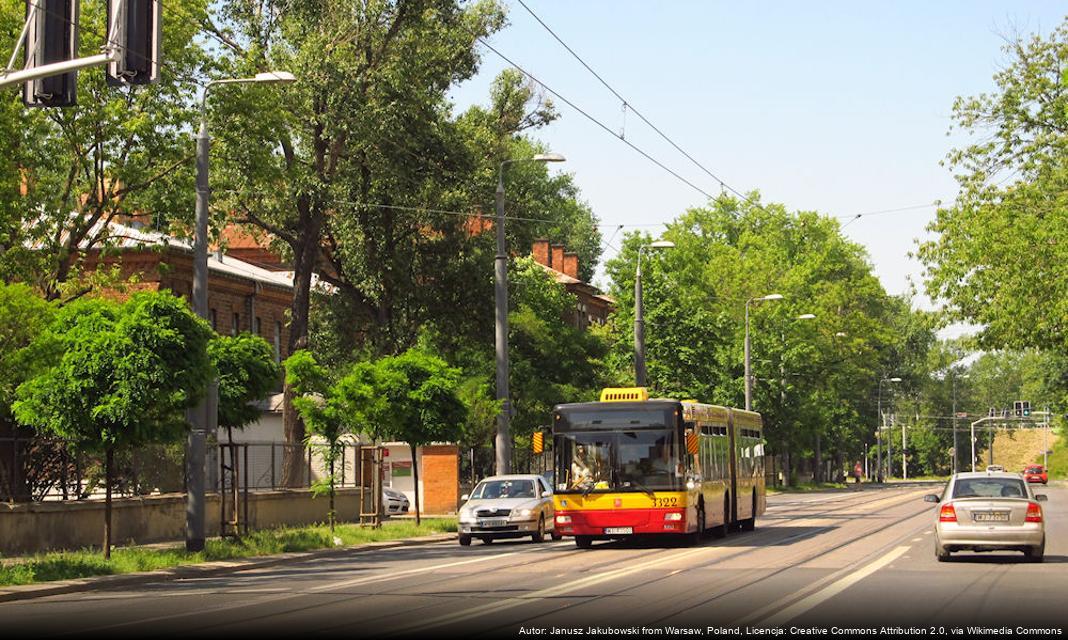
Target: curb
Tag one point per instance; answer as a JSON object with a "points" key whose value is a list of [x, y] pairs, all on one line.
{"points": [[205, 569]]}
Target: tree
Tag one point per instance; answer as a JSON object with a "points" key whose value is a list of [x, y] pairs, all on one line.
{"points": [[122, 152], [325, 412], [417, 402], [364, 131], [815, 380], [124, 375], [998, 258], [247, 373], [23, 316]]}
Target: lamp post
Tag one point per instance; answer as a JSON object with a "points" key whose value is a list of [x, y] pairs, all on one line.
{"points": [[503, 439], [879, 431], [205, 414], [782, 395], [748, 377], [639, 318], [956, 452]]}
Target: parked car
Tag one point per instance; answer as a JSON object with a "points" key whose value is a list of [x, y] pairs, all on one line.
{"points": [[989, 511], [512, 506], [1036, 473], [394, 502]]}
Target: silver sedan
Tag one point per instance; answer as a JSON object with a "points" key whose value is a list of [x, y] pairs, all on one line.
{"points": [[990, 511], [513, 506]]}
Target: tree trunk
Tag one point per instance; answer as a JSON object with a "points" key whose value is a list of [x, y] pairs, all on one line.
{"points": [[109, 460], [331, 516], [305, 257], [818, 455], [415, 481], [787, 466]]}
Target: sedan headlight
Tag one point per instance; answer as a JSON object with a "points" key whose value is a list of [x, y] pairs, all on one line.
{"points": [[522, 514]]}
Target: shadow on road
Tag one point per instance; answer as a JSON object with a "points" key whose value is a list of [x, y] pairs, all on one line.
{"points": [[1003, 558]]}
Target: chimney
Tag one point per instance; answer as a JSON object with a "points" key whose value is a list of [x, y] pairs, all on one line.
{"points": [[556, 260], [571, 264], [540, 250]]}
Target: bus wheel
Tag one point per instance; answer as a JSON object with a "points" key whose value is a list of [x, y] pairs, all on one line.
{"points": [[721, 530], [749, 523], [700, 533], [583, 542]]}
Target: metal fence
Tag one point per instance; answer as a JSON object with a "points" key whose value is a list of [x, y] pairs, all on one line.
{"points": [[39, 469]]}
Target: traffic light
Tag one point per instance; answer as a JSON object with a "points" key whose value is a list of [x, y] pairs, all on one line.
{"points": [[1021, 408], [1026, 408], [138, 35], [52, 37]]}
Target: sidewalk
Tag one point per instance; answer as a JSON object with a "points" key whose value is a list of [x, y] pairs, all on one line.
{"points": [[201, 570]]}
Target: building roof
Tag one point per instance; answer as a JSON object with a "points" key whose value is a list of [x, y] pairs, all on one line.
{"points": [[127, 237]]}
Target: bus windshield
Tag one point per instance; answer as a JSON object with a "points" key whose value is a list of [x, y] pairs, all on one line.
{"points": [[637, 460]]}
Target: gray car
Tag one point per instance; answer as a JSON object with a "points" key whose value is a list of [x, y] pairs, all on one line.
{"points": [[513, 506], [991, 511]]}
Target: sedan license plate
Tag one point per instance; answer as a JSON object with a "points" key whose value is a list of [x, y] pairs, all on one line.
{"points": [[492, 523], [991, 516], [618, 530]]}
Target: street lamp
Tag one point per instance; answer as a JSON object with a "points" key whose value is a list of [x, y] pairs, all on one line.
{"points": [[205, 414], [639, 319], [748, 378], [879, 431], [503, 439]]}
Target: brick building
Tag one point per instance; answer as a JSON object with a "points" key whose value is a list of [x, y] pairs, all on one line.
{"points": [[592, 306], [242, 297]]}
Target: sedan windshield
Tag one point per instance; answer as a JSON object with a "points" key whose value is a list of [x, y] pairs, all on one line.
{"points": [[501, 489], [989, 488]]}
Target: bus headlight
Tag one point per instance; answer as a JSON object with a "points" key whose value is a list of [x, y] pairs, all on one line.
{"points": [[675, 517], [563, 519]]}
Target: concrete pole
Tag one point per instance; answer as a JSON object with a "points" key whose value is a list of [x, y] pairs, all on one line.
{"points": [[196, 444], [504, 438], [639, 327], [956, 451], [904, 458], [748, 377]]}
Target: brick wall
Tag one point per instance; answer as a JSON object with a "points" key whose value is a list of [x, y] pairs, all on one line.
{"points": [[440, 477]]}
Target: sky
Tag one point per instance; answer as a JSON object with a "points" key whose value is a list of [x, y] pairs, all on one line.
{"points": [[838, 107]]}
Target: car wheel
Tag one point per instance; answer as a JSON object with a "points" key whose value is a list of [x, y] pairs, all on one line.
{"points": [[465, 541], [556, 536], [941, 552], [721, 530], [700, 533], [583, 542], [1035, 554], [539, 535]]}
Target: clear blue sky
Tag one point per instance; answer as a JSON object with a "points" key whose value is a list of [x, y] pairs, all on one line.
{"points": [[840, 107]]}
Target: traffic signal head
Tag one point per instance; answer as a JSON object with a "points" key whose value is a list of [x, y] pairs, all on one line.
{"points": [[52, 37], [137, 31]]}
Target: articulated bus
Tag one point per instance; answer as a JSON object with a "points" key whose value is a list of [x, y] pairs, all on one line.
{"points": [[629, 465]]}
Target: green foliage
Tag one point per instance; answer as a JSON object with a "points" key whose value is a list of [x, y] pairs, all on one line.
{"points": [[23, 316], [124, 374], [998, 258], [247, 372], [122, 151], [815, 380]]}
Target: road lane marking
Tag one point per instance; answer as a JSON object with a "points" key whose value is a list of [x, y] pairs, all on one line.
{"points": [[290, 594], [512, 602], [917, 539], [833, 589]]}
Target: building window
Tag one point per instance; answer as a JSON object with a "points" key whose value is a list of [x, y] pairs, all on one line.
{"points": [[214, 320], [236, 326], [277, 341], [256, 325]]}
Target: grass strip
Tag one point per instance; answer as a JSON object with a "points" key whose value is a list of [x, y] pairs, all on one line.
{"points": [[85, 563]]}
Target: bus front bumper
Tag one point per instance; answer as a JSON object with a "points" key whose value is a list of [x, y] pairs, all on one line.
{"points": [[621, 523]]}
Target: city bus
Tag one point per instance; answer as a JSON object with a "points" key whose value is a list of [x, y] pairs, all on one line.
{"points": [[629, 465]]}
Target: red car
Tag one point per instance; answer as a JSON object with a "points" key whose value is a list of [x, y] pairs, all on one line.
{"points": [[1036, 473]]}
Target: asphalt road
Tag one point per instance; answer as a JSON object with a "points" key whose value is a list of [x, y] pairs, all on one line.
{"points": [[856, 559]]}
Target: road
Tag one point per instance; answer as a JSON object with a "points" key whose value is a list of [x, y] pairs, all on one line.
{"points": [[855, 558]]}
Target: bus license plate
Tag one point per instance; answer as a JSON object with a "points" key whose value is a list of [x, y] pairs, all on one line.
{"points": [[492, 523], [618, 530], [991, 516]]}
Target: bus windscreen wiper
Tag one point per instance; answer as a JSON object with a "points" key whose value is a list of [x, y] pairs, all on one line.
{"points": [[644, 489]]}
